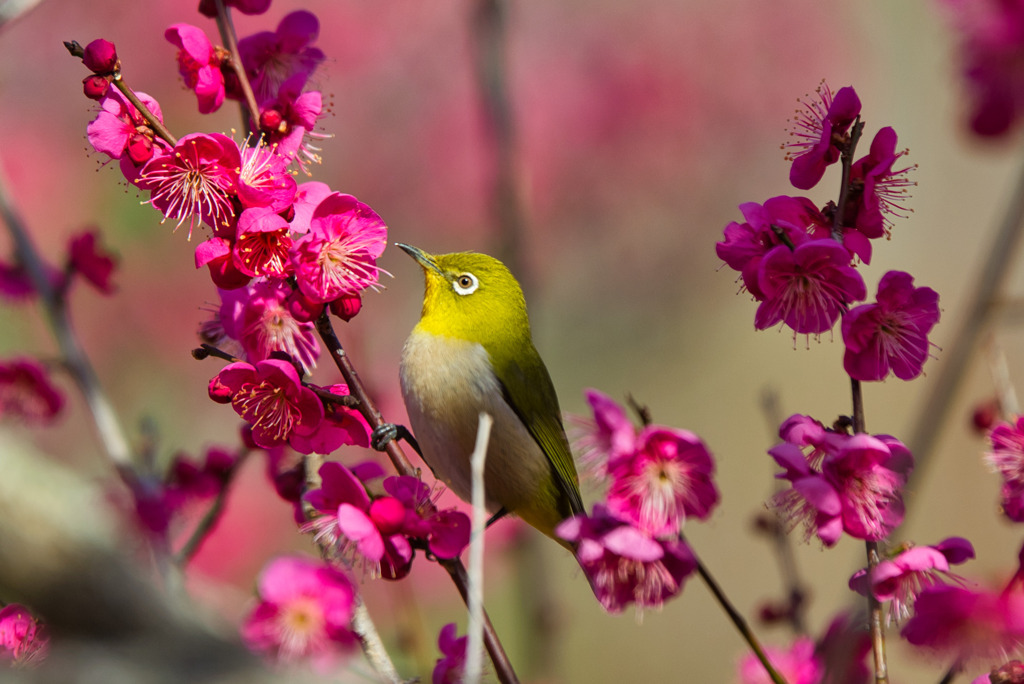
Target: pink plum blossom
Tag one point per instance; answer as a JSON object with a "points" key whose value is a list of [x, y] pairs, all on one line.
{"points": [[23, 638], [857, 490], [342, 426], [623, 564], [798, 664], [272, 57], [270, 397], [819, 130], [607, 437], [259, 318], [890, 335], [217, 255], [303, 612], [199, 64], [1007, 459], [196, 181], [289, 120], [807, 287], [450, 665], [121, 132], [87, 259], [264, 180], [27, 393], [881, 189], [900, 579], [961, 624], [665, 480], [992, 50], [338, 255], [262, 244], [780, 220]]}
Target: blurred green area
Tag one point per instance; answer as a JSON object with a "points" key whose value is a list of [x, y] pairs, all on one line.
{"points": [[640, 128]]}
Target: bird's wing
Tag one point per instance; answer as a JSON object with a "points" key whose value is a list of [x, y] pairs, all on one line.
{"points": [[530, 393]]}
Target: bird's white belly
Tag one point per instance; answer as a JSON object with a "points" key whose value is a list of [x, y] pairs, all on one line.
{"points": [[446, 384]]}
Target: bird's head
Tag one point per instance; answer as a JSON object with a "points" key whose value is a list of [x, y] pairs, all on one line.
{"points": [[470, 296]]}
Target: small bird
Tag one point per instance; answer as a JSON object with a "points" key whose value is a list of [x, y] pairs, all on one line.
{"points": [[472, 352]]}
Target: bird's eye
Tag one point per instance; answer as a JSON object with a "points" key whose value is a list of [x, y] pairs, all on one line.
{"points": [[466, 284]]}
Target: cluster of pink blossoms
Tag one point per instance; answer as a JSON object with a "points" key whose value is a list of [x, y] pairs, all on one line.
{"points": [[630, 546], [797, 260], [840, 482], [383, 528]]}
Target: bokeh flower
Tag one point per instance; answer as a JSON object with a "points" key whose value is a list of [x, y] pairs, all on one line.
{"points": [[23, 638]]}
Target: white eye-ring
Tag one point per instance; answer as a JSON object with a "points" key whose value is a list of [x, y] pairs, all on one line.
{"points": [[465, 283]]}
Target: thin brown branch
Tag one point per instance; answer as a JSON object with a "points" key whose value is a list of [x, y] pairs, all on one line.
{"points": [[250, 109]]}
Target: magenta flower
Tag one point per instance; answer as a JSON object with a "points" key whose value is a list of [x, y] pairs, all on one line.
{"points": [[27, 393], [992, 47], [338, 256], [342, 426], [197, 180], [199, 65], [87, 259], [857, 491], [798, 664], [289, 119], [120, 131], [820, 131], [623, 564], [962, 624], [452, 662], [264, 180], [807, 287], [606, 438], [271, 58], [882, 188], [890, 335], [901, 578], [270, 397], [260, 319], [780, 220], [262, 244], [308, 197], [1007, 459], [304, 611], [664, 481], [23, 639]]}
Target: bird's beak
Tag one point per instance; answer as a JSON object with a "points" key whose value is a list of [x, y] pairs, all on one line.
{"points": [[424, 259]]}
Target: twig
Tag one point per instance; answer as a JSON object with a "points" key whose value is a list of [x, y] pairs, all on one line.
{"points": [[474, 665], [209, 520], [373, 646], [108, 426]]}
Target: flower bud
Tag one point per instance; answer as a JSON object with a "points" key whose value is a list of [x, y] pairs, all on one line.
{"points": [[100, 56], [272, 121], [139, 148], [95, 86], [219, 392], [302, 308], [347, 306]]}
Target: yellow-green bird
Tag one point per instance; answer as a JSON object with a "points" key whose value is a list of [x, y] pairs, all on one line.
{"points": [[472, 351]]}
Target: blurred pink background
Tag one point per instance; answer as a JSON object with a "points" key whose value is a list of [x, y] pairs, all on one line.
{"points": [[641, 126]]}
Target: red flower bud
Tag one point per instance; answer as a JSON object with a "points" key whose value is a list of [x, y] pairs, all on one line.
{"points": [[95, 86], [139, 148], [219, 392], [100, 56], [347, 306], [272, 121], [303, 308], [388, 514]]}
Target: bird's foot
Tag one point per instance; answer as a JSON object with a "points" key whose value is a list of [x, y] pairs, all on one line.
{"points": [[388, 432], [496, 517]]}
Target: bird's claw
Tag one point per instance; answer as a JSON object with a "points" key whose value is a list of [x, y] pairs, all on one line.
{"points": [[382, 434]]}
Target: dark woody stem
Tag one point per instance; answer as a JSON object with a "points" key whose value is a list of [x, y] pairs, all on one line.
{"points": [[250, 109], [367, 407], [205, 526], [844, 189], [736, 618]]}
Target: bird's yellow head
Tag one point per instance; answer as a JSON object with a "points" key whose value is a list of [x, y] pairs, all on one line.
{"points": [[472, 297]]}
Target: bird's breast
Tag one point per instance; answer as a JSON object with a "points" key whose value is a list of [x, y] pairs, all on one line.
{"points": [[446, 383]]}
